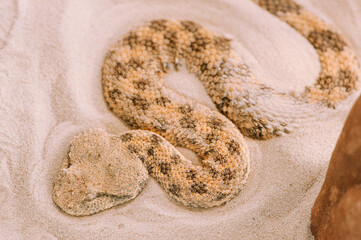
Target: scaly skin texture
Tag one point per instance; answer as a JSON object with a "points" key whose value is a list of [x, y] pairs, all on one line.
{"points": [[103, 170], [133, 87], [134, 68], [340, 69]]}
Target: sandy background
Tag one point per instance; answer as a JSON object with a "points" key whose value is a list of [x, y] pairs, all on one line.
{"points": [[51, 54]]}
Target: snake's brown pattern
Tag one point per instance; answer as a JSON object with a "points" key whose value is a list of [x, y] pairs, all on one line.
{"points": [[134, 90], [340, 69]]}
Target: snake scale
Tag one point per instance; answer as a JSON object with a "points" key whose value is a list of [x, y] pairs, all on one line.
{"points": [[134, 89]]}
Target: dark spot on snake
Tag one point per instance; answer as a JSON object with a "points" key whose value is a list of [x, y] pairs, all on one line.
{"points": [[277, 6], [220, 158], [141, 84], [126, 137], [150, 45], [142, 158], [158, 25], [131, 122], [191, 174], [150, 169], [135, 63], [326, 39], [214, 173], [174, 189], [132, 149], [326, 82], [233, 147], [209, 152], [162, 101], [348, 79], [199, 187], [211, 138], [227, 175], [131, 39], [114, 94], [222, 43], [140, 102], [175, 158], [121, 69], [165, 168], [221, 196], [171, 36], [225, 102], [200, 43], [150, 151], [216, 123], [344, 78], [187, 122], [186, 109], [204, 67], [155, 139], [190, 26]]}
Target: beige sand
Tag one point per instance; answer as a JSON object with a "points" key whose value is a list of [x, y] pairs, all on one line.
{"points": [[51, 54]]}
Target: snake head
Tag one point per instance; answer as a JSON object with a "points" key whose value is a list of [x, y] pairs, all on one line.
{"points": [[99, 173]]}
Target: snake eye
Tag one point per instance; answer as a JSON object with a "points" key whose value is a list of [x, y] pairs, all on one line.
{"points": [[91, 196]]}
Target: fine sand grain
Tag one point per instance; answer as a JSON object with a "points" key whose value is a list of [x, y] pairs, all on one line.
{"points": [[51, 53]]}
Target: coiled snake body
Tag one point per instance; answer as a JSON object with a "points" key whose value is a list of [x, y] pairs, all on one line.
{"points": [[134, 90]]}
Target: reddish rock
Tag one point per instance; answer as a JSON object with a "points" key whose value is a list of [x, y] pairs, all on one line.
{"points": [[336, 213]]}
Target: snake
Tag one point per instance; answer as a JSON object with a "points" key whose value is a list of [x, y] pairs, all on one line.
{"points": [[134, 90]]}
